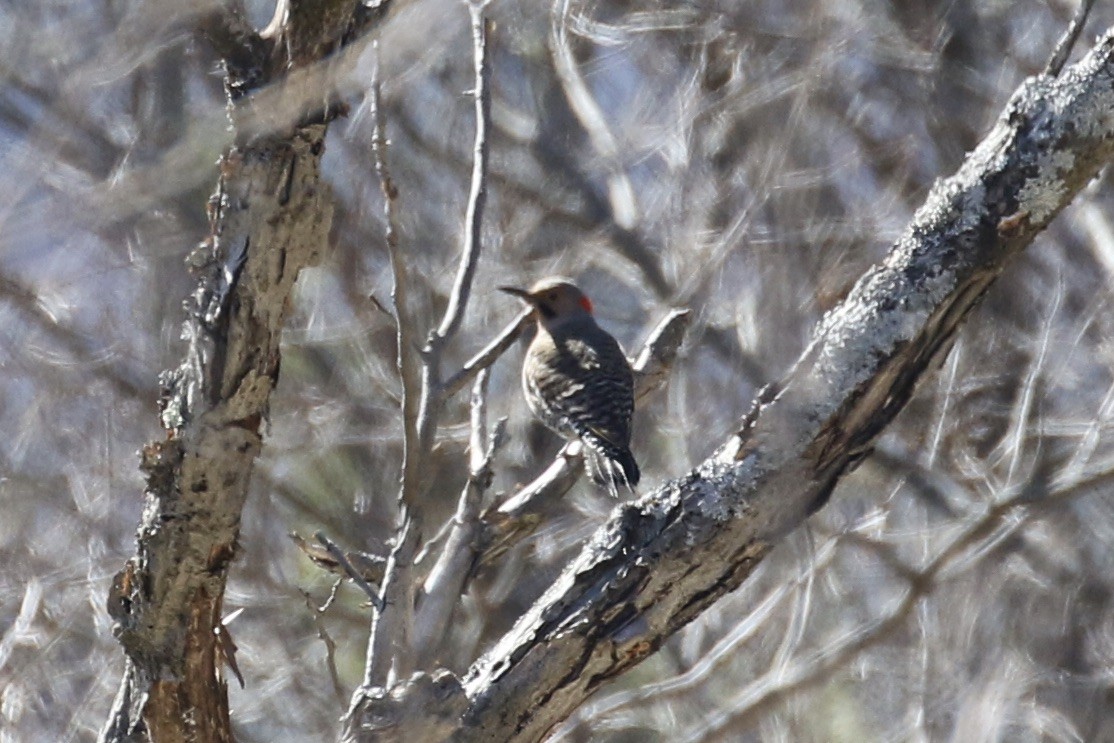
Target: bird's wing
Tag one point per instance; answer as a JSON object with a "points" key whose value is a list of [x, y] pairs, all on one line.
{"points": [[592, 388]]}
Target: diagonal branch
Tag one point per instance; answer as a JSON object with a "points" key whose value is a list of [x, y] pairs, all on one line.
{"points": [[337, 554], [446, 581], [486, 356], [1067, 41], [659, 562]]}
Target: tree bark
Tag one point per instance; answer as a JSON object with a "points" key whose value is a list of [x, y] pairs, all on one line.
{"points": [[269, 218]]}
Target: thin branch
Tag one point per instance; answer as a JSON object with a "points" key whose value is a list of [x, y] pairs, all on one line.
{"points": [[1067, 41], [432, 396], [406, 334], [370, 567], [388, 628], [473, 220], [354, 575], [326, 639], [486, 356], [477, 199]]}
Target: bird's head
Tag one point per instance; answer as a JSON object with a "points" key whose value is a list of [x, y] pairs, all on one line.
{"points": [[554, 299]]}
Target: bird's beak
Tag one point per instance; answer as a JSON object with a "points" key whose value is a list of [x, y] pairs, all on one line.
{"points": [[520, 293]]}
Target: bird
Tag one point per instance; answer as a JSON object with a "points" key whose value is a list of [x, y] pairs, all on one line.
{"points": [[577, 380]]}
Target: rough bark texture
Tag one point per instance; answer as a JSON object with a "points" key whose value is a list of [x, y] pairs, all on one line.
{"points": [[269, 218], [660, 561]]}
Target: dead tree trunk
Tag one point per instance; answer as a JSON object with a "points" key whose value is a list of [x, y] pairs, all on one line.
{"points": [[269, 218]]}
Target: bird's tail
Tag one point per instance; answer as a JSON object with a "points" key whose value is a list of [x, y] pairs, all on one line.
{"points": [[610, 466]]}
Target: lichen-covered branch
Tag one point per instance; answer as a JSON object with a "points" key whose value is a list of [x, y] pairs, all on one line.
{"points": [[660, 561]]}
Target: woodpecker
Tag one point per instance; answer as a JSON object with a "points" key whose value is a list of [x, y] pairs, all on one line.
{"points": [[577, 380]]}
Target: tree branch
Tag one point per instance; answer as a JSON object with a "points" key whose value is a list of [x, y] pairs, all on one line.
{"points": [[433, 396], [446, 581], [487, 355], [1067, 41], [477, 198], [660, 561], [354, 575], [391, 630]]}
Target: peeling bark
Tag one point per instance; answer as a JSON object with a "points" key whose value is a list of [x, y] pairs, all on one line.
{"points": [[269, 218]]}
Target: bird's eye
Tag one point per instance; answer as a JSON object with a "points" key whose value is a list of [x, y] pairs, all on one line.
{"points": [[553, 297]]}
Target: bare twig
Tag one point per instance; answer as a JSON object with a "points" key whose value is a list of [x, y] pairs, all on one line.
{"points": [[432, 395], [326, 638], [1067, 41], [370, 567], [477, 199], [334, 591], [398, 590], [354, 575], [406, 336], [487, 355]]}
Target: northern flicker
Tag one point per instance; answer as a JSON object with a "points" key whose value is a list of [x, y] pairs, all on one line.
{"points": [[578, 381]]}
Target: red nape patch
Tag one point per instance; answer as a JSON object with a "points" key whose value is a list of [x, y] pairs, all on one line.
{"points": [[586, 303]]}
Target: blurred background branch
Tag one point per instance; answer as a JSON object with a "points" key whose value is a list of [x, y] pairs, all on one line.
{"points": [[773, 152]]}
